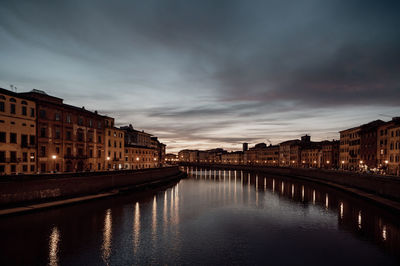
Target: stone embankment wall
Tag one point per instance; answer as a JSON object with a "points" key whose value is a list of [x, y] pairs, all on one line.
{"points": [[34, 188], [385, 186]]}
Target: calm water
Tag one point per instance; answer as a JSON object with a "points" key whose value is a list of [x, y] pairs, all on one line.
{"points": [[214, 218]]}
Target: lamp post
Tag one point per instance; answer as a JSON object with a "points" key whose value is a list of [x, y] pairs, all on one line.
{"points": [[54, 157], [342, 165], [386, 166], [108, 163]]}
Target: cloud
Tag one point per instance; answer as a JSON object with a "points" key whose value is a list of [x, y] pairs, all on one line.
{"points": [[202, 73]]}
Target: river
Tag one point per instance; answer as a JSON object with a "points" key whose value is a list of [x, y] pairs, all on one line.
{"points": [[213, 217]]}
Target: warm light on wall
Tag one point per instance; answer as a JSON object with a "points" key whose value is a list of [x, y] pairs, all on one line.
{"points": [[54, 157]]}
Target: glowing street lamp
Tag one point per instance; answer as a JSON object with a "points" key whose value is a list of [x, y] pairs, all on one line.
{"points": [[54, 157]]}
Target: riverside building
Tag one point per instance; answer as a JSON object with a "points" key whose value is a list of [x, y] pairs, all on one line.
{"points": [[17, 134], [69, 138]]}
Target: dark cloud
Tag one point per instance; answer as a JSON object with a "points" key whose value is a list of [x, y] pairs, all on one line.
{"points": [[193, 70]]}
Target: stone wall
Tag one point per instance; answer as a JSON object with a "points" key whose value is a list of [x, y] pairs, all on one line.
{"points": [[385, 186], [35, 188]]}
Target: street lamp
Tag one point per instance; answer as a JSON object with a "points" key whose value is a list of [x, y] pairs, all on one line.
{"points": [[108, 162], [54, 157]]}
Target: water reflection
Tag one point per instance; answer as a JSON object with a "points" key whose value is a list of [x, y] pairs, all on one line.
{"points": [[53, 246], [208, 220], [136, 228], [350, 216], [107, 235]]}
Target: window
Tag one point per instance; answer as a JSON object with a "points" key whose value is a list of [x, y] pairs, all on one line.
{"points": [[57, 117], [43, 151], [80, 135], [13, 100], [13, 156], [99, 139], [58, 133], [69, 153], [2, 169], [109, 133], [90, 136], [32, 157], [80, 152], [69, 135], [3, 137], [90, 153], [2, 156], [80, 121], [99, 124], [13, 168], [1, 106], [69, 119], [24, 168], [32, 140], [42, 132], [12, 108], [58, 150], [25, 157], [90, 123], [32, 112], [109, 143], [24, 140], [42, 113], [99, 154], [24, 112], [42, 167], [32, 168], [13, 138]]}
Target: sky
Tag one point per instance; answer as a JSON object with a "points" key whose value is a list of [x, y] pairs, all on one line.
{"points": [[205, 74]]}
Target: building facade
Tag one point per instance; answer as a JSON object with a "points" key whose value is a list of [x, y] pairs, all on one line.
{"points": [[114, 146], [350, 140], [17, 134], [69, 138], [140, 157]]}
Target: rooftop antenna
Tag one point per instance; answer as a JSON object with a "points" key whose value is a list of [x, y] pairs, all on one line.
{"points": [[12, 87]]}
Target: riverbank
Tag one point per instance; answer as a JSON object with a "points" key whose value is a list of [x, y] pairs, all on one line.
{"points": [[31, 193], [383, 190]]}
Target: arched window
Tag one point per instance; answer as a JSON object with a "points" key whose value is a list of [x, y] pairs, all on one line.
{"points": [[24, 102], [2, 97], [13, 100]]}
